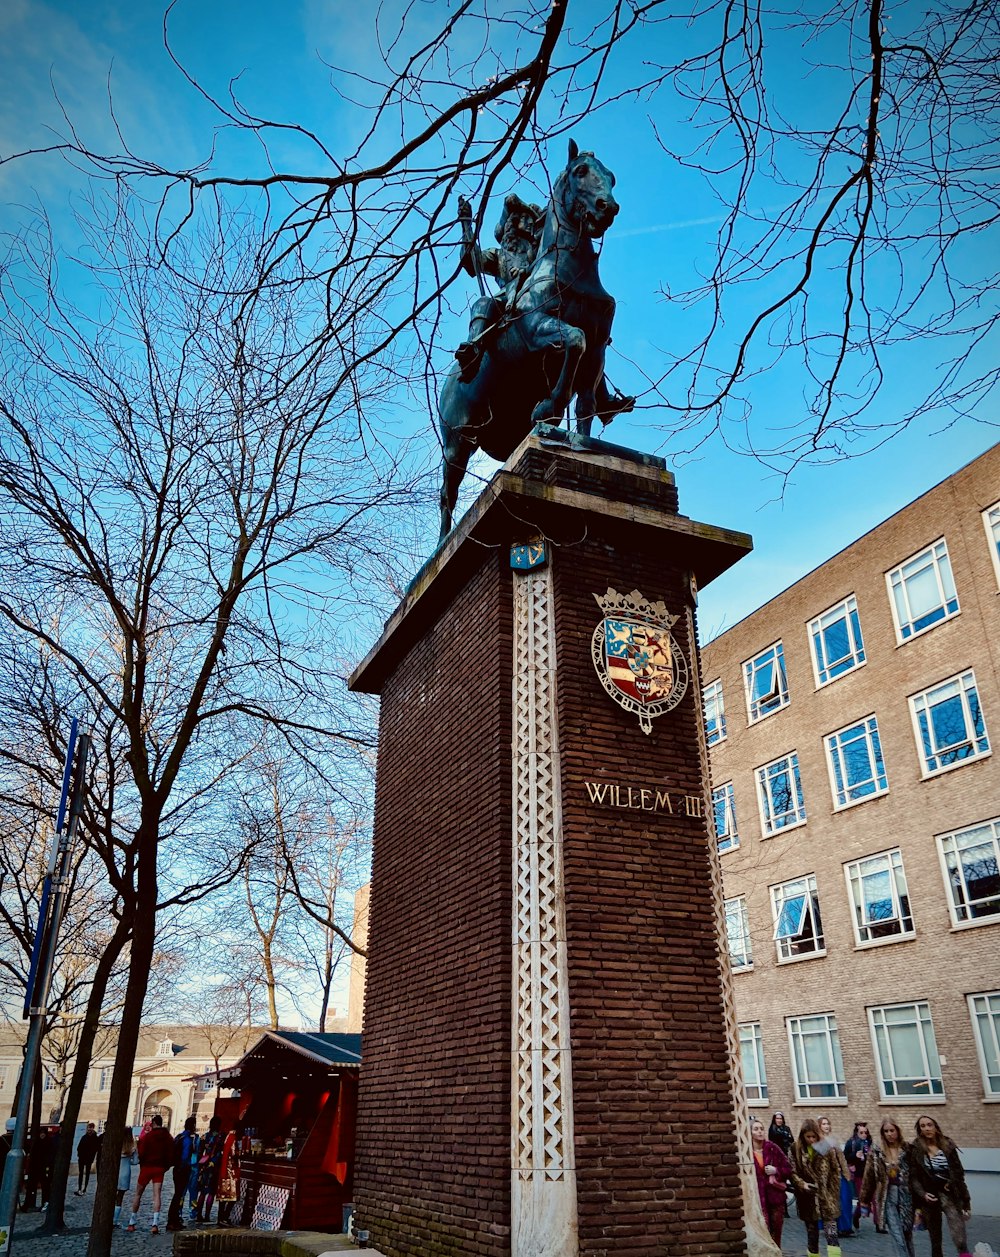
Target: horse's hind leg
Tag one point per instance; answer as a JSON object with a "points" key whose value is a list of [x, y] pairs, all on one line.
{"points": [[456, 459]]}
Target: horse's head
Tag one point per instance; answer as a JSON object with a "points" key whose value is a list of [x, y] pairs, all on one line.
{"points": [[586, 193]]}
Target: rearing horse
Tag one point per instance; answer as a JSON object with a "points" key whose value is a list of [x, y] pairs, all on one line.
{"points": [[551, 341]]}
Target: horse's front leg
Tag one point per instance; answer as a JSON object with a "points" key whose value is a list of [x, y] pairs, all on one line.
{"points": [[551, 333], [588, 378]]}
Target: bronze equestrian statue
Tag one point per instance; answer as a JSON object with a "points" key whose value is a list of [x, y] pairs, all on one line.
{"points": [[543, 339]]}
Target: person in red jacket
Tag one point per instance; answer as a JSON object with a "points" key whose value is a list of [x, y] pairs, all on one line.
{"points": [[156, 1156], [774, 1171]]}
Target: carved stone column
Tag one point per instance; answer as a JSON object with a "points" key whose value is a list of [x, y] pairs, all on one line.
{"points": [[543, 1182]]}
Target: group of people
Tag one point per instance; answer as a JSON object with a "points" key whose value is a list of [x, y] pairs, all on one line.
{"points": [[205, 1168], [902, 1184]]}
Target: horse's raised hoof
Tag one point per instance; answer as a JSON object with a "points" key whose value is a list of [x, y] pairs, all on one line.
{"points": [[469, 355], [543, 411]]}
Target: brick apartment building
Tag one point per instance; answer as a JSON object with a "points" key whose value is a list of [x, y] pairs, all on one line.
{"points": [[854, 724]]}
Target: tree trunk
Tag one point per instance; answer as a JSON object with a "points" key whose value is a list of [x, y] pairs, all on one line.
{"points": [[54, 1220], [140, 962], [272, 1002]]}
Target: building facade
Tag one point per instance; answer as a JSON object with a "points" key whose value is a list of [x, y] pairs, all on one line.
{"points": [[854, 726]]}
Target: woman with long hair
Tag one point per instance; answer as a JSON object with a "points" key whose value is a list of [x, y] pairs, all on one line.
{"points": [[780, 1133], [816, 1179], [885, 1186], [773, 1173], [845, 1209], [937, 1180], [129, 1159], [856, 1152]]}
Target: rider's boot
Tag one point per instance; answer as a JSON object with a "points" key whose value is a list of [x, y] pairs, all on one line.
{"points": [[470, 352]]}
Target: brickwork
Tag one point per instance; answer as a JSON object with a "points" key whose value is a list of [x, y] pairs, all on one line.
{"points": [[433, 1171], [939, 964], [654, 1130], [654, 1139]]}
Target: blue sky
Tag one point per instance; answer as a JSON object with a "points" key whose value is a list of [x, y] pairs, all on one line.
{"points": [[662, 239]]}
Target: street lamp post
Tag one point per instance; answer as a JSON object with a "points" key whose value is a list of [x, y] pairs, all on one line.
{"points": [[55, 890]]}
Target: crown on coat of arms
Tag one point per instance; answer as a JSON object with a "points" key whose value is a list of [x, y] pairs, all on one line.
{"points": [[618, 606]]}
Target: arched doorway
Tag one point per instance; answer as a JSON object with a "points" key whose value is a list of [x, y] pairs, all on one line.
{"points": [[158, 1102]]}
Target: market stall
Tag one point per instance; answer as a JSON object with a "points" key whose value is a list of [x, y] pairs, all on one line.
{"points": [[297, 1101]]}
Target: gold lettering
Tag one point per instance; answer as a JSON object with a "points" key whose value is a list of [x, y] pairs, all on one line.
{"points": [[617, 791], [630, 803], [692, 805], [597, 790], [663, 802], [644, 797]]}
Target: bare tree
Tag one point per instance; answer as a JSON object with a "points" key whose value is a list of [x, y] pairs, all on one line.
{"points": [[182, 506], [852, 149]]}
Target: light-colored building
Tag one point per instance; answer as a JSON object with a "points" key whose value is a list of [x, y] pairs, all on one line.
{"points": [[854, 725], [173, 1074]]}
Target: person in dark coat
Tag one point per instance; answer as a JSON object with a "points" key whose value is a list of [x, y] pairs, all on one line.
{"points": [[937, 1181], [186, 1146], [41, 1155], [856, 1152], [774, 1173], [86, 1151], [780, 1133]]}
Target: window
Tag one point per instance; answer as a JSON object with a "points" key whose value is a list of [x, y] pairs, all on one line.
{"points": [[991, 518], [738, 933], [165, 1048], [971, 860], [906, 1052], [949, 723], [724, 803], [857, 770], [752, 1056], [779, 791], [798, 930], [923, 591], [836, 641], [208, 1079], [49, 1080], [877, 888], [104, 1078], [715, 713], [817, 1066], [985, 1013], [766, 684], [4, 1072]]}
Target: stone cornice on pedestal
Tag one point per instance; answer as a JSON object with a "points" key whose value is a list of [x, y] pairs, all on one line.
{"points": [[708, 550]]}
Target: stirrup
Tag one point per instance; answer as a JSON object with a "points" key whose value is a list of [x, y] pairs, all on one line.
{"points": [[469, 355]]}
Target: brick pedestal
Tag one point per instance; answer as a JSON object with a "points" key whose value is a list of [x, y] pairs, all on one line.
{"points": [[548, 1014]]}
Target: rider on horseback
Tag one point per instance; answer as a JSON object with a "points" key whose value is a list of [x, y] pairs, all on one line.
{"points": [[518, 233]]}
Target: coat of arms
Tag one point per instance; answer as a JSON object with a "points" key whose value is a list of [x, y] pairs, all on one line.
{"points": [[636, 656]]}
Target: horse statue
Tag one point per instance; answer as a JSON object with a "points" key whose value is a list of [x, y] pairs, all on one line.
{"points": [[549, 332]]}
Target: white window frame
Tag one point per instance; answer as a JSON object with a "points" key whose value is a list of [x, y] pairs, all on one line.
{"points": [[752, 1049], [990, 1012], [847, 610], [765, 797], [713, 700], [868, 726], [923, 1027], [991, 522], [783, 899], [920, 704], [823, 1026], [49, 1080], [855, 871], [207, 1081], [728, 836], [737, 906], [936, 554], [948, 843], [779, 682]]}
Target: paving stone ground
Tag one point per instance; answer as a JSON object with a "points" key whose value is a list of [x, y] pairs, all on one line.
{"points": [[28, 1242], [868, 1243]]}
